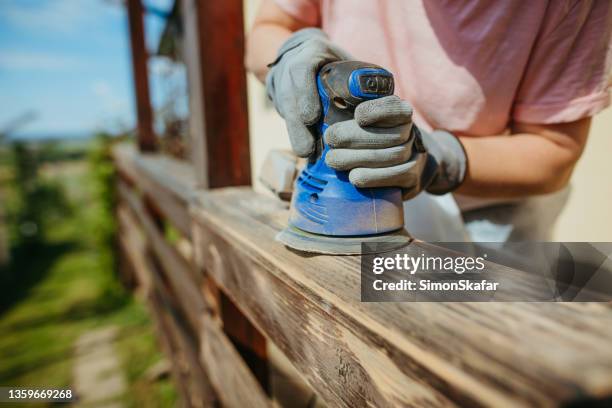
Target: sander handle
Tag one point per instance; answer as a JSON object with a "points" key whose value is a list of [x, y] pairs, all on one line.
{"points": [[342, 86]]}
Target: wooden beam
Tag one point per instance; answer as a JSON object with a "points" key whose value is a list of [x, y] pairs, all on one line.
{"points": [[188, 346], [249, 341], [146, 135], [132, 241], [175, 269], [170, 349], [228, 372], [170, 184], [218, 123], [390, 354], [193, 386], [234, 383], [156, 176]]}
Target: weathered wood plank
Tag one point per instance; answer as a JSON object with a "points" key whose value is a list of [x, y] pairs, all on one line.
{"points": [[178, 374], [311, 338], [175, 269], [132, 241], [189, 383], [244, 335], [168, 182], [387, 354], [235, 384], [228, 374], [200, 391]]}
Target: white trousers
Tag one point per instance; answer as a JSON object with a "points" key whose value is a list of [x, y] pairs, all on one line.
{"points": [[439, 219]]}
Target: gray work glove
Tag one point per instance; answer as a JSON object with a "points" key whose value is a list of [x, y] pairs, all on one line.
{"points": [[292, 86], [381, 147]]}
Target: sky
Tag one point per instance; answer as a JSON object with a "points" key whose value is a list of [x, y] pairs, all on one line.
{"points": [[68, 62]]}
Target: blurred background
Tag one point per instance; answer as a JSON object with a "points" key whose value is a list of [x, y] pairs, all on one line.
{"points": [[66, 94]]}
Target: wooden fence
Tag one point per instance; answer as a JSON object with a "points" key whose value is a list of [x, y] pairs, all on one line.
{"points": [[200, 244]]}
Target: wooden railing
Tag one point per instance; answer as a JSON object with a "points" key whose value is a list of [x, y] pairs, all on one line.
{"points": [[221, 289], [351, 353], [153, 191]]}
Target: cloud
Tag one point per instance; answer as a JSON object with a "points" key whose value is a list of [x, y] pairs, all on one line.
{"points": [[110, 101], [66, 16], [101, 88], [34, 60]]}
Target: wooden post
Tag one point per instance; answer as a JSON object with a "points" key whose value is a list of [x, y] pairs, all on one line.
{"points": [[214, 54], [146, 136], [219, 130]]}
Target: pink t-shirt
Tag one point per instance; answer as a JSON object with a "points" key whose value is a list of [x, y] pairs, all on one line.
{"points": [[473, 67]]}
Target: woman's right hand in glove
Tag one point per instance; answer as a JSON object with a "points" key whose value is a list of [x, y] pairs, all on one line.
{"points": [[291, 84]]}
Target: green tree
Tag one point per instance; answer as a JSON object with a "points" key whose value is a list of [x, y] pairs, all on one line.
{"points": [[36, 199]]}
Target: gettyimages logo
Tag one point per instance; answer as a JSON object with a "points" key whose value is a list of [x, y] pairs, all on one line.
{"points": [[423, 263], [477, 272]]}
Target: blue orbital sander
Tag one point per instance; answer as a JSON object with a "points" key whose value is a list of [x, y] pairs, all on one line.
{"points": [[329, 215]]}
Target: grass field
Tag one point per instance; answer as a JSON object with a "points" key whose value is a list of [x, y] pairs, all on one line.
{"points": [[66, 286]]}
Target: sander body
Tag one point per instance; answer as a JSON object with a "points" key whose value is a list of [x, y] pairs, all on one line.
{"points": [[328, 214]]}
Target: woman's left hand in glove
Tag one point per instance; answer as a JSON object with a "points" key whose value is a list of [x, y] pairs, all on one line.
{"points": [[381, 147]]}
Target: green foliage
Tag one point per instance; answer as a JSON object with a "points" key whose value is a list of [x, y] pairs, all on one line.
{"points": [[56, 151], [37, 200], [103, 178], [31, 203], [66, 284]]}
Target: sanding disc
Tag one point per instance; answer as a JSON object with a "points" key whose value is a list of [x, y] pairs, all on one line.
{"points": [[300, 240]]}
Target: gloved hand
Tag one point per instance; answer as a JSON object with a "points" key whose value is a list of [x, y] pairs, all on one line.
{"points": [[381, 147], [291, 83]]}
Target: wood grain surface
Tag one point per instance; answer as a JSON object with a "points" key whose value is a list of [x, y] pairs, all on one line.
{"points": [[156, 175], [192, 384], [388, 354], [198, 346]]}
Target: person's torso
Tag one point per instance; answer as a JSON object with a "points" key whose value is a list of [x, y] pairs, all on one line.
{"points": [[458, 62]]}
